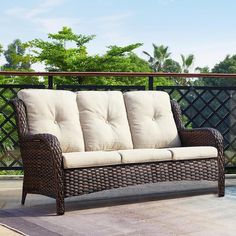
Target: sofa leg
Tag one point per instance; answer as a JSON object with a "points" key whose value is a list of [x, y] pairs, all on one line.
{"points": [[24, 193], [221, 185], [60, 206], [221, 189]]}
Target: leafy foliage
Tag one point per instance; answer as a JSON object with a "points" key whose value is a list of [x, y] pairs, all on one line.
{"points": [[57, 57], [171, 65], [1, 49], [202, 81], [204, 69], [228, 65], [187, 62], [11, 172], [158, 60], [15, 57]]}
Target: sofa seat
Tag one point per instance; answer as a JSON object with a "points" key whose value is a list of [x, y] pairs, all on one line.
{"points": [[144, 155], [89, 159], [198, 152], [104, 158]]}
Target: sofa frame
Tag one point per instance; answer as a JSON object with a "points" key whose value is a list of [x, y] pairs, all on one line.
{"points": [[44, 174]]}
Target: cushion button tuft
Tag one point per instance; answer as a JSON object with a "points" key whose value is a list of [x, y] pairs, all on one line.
{"points": [[153, 119], [55, 122], [107, 121]]}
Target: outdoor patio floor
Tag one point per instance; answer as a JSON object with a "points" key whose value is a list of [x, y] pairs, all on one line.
{"points": [[175, 208]]}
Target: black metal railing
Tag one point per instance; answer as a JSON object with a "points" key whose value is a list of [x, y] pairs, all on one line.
{"points": [[202, 106]]}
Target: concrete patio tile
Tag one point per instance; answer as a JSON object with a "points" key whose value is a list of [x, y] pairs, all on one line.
{"points": [[139, 214], [185, 225], [122, 223], [211, 232], [67, 225], [227, 222], [156, 229]]}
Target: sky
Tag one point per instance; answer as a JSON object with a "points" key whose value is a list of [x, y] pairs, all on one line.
{"points": [[205, 28]]}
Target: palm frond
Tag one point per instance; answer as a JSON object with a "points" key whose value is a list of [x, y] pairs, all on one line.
{"points": [[147, 53], [189, 60]]}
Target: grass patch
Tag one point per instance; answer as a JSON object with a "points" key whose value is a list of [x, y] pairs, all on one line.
{"points": [[11, 172]]}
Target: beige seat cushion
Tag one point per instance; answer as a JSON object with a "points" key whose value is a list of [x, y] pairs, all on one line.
{"points": [[199, 152], [54, 112], [151, 120], [89, 159], [103, 120], [145, 155]]}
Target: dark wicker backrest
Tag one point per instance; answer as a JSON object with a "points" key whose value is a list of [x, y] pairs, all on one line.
{"points": [[21, 117], [177, 114]]}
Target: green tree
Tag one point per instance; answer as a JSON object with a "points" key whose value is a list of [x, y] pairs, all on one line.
{"points": [[158, 60], [201, 81], [228, 65], [204, 69], [161, 62], [15, 57], [17, 60], [57, 56], [187, 62], [1, 49], [171, 65]]}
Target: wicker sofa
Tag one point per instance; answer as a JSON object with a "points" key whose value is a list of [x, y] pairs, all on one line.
{"points": [[79, 143]]}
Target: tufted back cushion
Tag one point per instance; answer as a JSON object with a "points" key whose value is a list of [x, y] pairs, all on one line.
{"points": [[151, 120], [54, 112], [103, 120]]}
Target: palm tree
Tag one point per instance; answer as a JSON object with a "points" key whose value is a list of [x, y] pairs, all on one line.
{"points": [[160, 55], [187, 62]]}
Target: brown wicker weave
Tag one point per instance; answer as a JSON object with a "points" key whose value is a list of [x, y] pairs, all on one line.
{"points": [[44, 173]]}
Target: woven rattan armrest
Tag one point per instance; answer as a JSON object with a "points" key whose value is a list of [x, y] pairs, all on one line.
{"points": [[42, 144], [201, 137], [42, 152], [43, 170], [47, 140]]}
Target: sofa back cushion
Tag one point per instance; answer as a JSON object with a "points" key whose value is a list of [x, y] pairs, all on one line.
{"points": [[151, 120], [54, 112], [103, 120]]}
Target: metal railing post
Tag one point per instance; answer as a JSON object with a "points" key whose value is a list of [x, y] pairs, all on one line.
{"points": [[150, 83], [50, 82]]}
